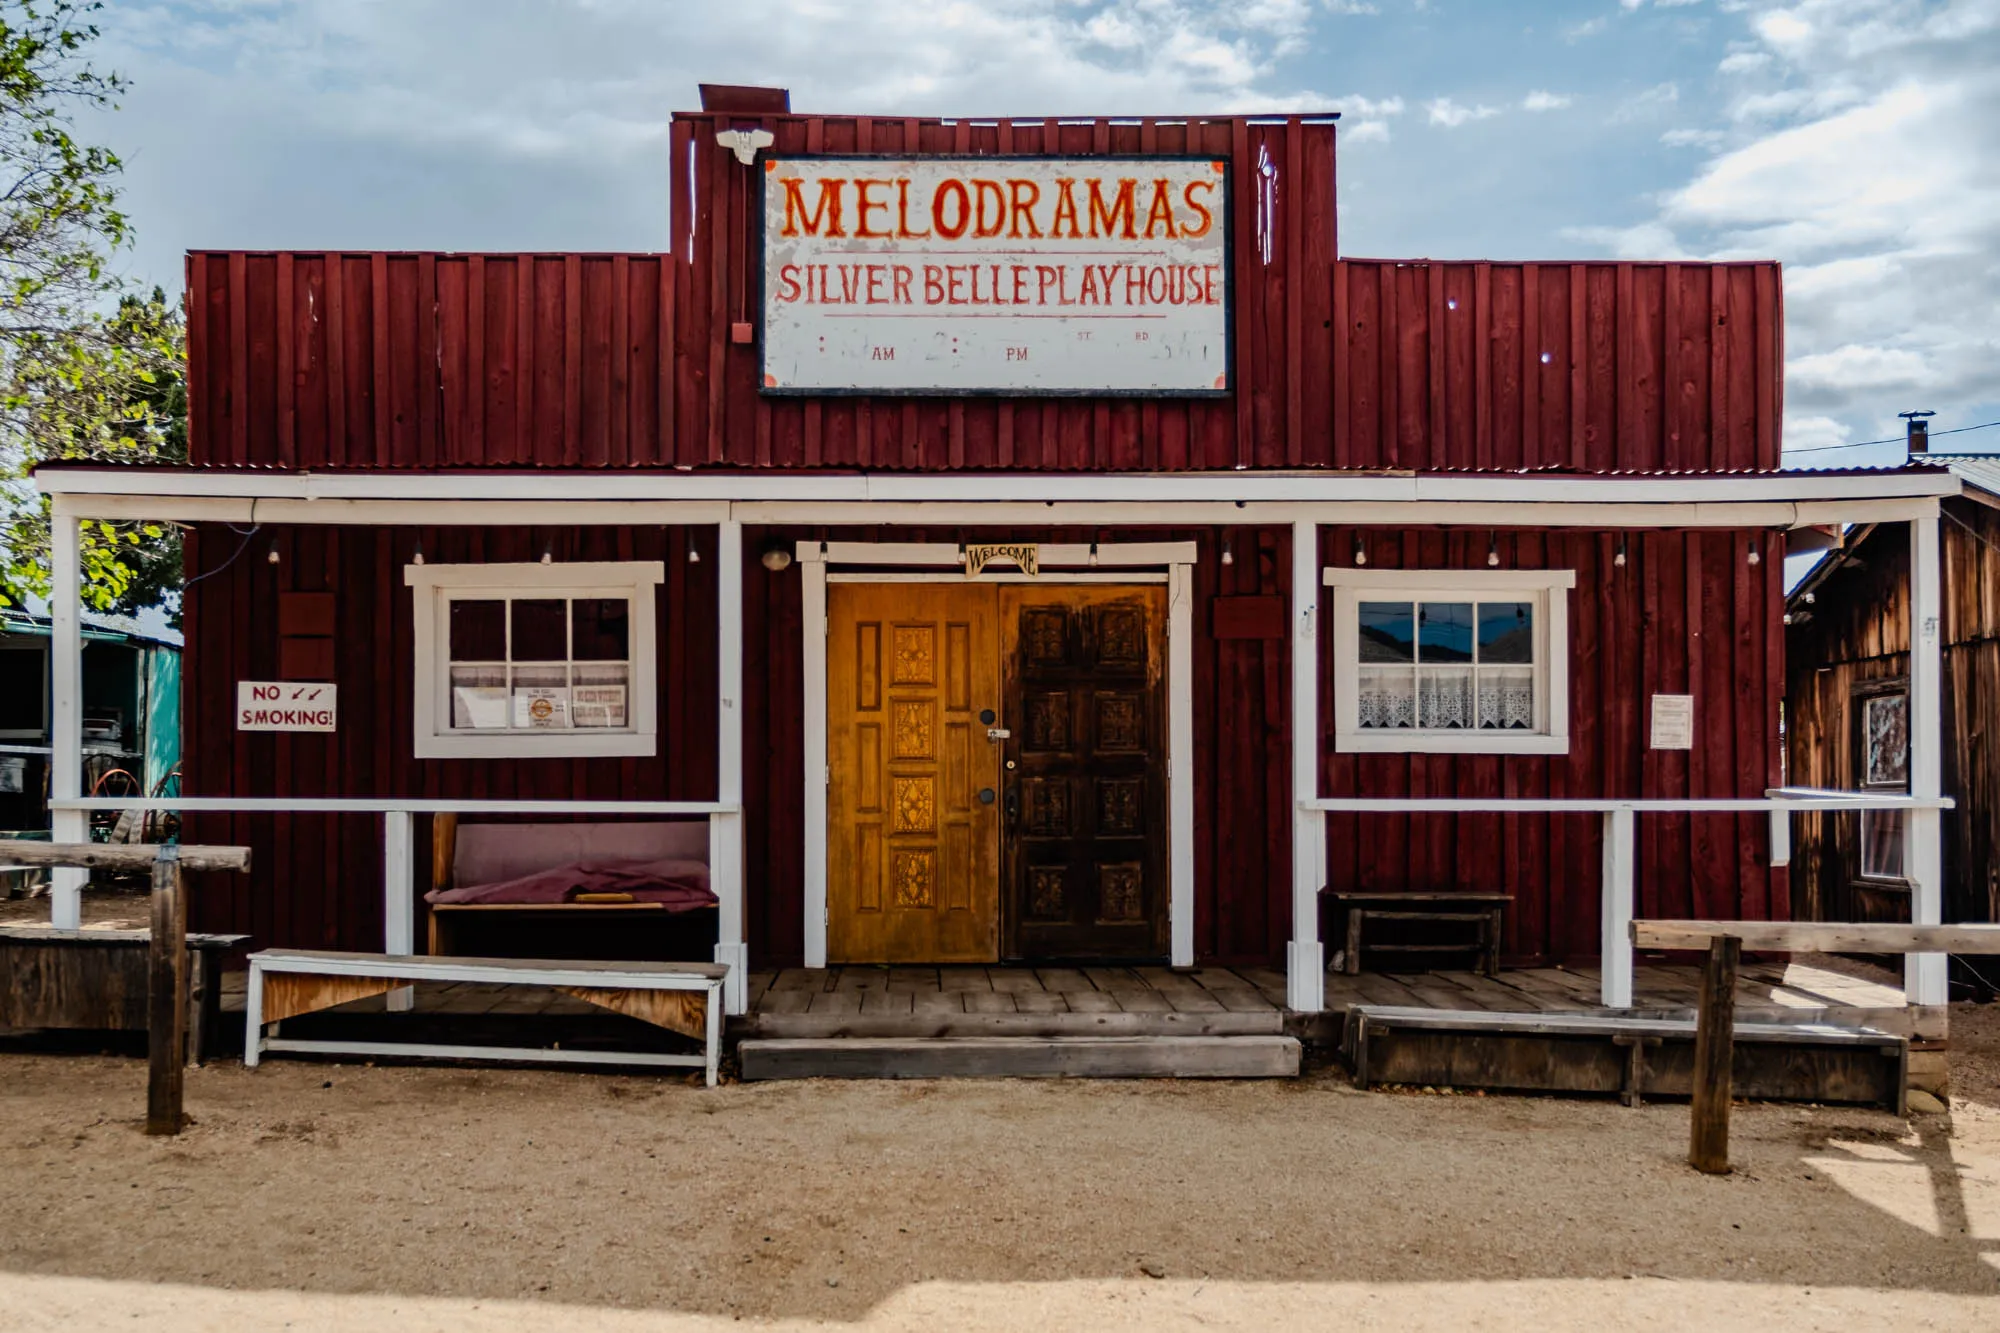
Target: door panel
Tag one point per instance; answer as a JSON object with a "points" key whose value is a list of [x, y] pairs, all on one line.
{"points": [[1085, 829], [912, 849]]}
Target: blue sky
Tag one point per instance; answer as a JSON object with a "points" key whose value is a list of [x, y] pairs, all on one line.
{"points": [[1858, 141]]}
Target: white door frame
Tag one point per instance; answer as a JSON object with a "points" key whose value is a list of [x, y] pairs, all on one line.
{"points": [[1063, 563]]}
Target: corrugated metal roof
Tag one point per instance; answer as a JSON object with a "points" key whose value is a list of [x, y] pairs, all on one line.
{"points": [[1981, 470]]}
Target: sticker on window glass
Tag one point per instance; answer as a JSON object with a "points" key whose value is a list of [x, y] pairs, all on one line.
{"points": [[598, 705], [540, 707]]}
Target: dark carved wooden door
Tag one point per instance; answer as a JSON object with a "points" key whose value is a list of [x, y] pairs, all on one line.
{"points": [[1084, 832]]}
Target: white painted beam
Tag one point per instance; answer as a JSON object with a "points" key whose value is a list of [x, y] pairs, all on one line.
{"points": [[1925, 975], [66, 715], [1305, 962], [726, 847], [1615, 961], [399, 914], [813, 619], [1180, 762]]}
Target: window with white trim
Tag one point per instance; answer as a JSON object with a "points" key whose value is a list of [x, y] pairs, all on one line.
{"points": [[521, 660], [1451, 661], [1885, 767]]}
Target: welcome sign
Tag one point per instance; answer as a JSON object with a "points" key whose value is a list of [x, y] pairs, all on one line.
{"points": [[966, 275]]}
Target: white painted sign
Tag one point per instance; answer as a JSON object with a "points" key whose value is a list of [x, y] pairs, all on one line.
{"points": [[278, 705], [541, 707], [1090, 275], [1673, 722]]}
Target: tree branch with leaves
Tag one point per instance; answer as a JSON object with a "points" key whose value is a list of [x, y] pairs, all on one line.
{"points": [[89, 370]]}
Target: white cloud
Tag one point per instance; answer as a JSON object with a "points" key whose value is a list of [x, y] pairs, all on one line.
{"points": [[1545, 101], [1587, 28], [1860, 146], [1366, 131], [1443, 111]]}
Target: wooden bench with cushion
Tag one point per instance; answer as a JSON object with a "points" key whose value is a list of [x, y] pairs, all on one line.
{"points": [[681, 997], [1483, 911], [464, 855]]}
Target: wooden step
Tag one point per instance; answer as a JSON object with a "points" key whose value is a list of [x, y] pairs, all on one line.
{"points": [[1257, 1056], [801, 1027]]}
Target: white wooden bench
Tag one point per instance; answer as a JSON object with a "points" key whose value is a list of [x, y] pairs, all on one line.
{"points": [[681, 997]]}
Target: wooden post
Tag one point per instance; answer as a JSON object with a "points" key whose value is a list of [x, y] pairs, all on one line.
{"points": [[167, 996], [1714, 1052]]}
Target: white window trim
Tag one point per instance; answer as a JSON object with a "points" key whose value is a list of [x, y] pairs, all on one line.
{"points": [[634, 579], [1548, 587]]}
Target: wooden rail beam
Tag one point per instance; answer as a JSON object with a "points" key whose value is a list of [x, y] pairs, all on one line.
{"points": [[1819, 936], [118, 856]]}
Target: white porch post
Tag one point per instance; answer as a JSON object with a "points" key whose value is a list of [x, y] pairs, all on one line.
{"points": [[66, 708], [1305, 965], [1615, 948], [1180, 761], [398, 903], [726, 830], [1924, 975], [812, 569]]}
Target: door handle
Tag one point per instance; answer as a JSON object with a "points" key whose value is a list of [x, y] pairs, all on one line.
{"points": [[998, 734], [1013, 805]]}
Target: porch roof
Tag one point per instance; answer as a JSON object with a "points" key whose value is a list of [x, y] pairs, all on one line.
{"points": [[1752, 499]]}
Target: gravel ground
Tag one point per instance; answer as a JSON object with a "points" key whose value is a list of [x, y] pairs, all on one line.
{"points": [[317, 1195]]}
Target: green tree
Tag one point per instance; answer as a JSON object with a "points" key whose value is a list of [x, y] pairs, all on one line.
{"points": [[89, 371]]}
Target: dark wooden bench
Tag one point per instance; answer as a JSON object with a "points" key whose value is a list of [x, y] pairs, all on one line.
{"points": [[95, 980], [1482, 911]]}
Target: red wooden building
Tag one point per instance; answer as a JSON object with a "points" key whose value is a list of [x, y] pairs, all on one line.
{"points": [[1155, 569]]}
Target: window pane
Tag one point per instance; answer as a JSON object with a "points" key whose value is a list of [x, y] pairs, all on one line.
{"points": [[1506, 631], [1886, 738], [1444, 698], [1444, 632], [22, 689], [1507, 698], [479, 698], [600, 629], [1388, 631], [541, 697], [1882, 844], [598, 696], [540, 631], [478, 631], [1386, 699]]}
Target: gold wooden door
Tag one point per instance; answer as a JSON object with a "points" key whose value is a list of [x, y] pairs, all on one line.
{"points": [[913, 848]]}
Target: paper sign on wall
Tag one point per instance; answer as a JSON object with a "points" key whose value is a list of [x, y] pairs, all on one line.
{"points": [[263, 705], [1673, 722], [541, 707]]}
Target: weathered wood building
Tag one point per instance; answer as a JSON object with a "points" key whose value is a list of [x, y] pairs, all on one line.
{"points": [[1847, 698], [987, 600]]}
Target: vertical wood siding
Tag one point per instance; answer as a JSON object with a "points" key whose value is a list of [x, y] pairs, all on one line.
{"points": [[1857, 633], [1687, 614], [432, 361], [1683, 616], [316, 880]]}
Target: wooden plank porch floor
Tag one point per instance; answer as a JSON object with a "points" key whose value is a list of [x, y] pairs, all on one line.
{"points": [[922, 991]]}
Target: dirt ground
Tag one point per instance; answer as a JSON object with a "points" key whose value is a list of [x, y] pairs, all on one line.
{"points": [[346, 1196]]}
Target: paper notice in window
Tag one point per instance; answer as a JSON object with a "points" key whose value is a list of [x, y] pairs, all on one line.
{"points": [[598, 705], [479, 707], [538, 707], [1673, 722]]}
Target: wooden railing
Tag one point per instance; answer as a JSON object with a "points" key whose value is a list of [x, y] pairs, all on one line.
{"points": [[1619, 863], [167, 963], [1715, 1015]]}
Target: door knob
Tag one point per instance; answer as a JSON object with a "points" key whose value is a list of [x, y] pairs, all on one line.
{"points": [[986, 796]]}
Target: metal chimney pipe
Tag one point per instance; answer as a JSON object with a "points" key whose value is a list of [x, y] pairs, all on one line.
{"points": [[1919, 431]]}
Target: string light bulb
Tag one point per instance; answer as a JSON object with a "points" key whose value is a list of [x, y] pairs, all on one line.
{"points": [[1492, 550], [1755, 557], [1619, 558], [1228, 555], [1360, 551]]}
